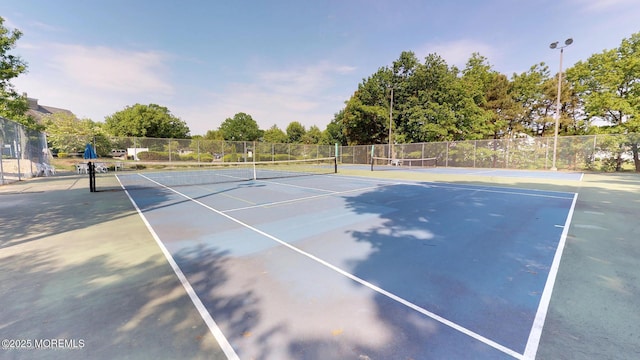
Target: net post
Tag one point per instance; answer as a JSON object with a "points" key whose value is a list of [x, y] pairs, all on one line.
{"points": [[255, 172], [92, 177], [335, 164]]}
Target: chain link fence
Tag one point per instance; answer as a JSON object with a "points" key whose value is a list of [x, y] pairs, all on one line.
{"points": [[592, 152], [191, 150], [23, 151]]}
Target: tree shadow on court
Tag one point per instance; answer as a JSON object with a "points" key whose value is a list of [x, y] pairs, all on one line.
{"points": [[236, 310], [414, 239], [595, 293], [28, 217], [136, 312]]}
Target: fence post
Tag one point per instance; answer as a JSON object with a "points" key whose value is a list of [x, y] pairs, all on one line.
{"points": [[506, 159], [546, 155], [1, 167], [18, 151], [475, 150], [446, 154]]}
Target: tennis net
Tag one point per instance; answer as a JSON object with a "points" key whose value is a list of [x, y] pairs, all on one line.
{"points": [[202, 174], [382, 163]]}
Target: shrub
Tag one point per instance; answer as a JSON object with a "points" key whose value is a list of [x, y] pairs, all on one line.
{"points": [[414, 155], [232, 157], [206, 157], [280, 157], [264, 157], [187, 157], [153, 155]]}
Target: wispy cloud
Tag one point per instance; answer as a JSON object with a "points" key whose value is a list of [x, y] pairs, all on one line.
{"points": [[602, 5], [30, 26], [113, 70], [276, 97], [41, 26], [305, 80], [458, 52], [8, 23], [93, 81], [97, 81]]}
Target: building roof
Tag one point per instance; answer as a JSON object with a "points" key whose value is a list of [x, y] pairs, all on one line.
{"points": [[39, 111]]}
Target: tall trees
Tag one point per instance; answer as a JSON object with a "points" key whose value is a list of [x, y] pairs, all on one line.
{"points": [[148, 121], [312, 136], [430, 103], [241, 127], [67, 133], [429, 113], [365, 118], [295, 132], [491, 92], [333, 134], [529, 92], [275, 135], [364, 124], [12, 105], [609, 85]]}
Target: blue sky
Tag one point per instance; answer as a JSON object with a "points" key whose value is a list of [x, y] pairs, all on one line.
{"points": [[280, 60]]}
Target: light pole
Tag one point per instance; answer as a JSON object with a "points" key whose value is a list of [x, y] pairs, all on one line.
{"points": [[554, 45], [390, 123]]}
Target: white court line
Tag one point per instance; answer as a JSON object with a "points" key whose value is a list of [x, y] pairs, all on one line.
{"points": [[296, 186], [363, 282], [507, 192], [388, 183], [481, 188], [536, 330], [300, 199], [202, 310], [479, 172]]}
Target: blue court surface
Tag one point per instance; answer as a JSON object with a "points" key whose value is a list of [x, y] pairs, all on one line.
{"points": [[336, 267]]}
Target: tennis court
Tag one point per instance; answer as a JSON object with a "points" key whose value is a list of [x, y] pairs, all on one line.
{"points": [[354, 265], [336, 267]]}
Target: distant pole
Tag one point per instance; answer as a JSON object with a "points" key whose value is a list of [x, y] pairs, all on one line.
{"points": [[554, 45], [390, 124]]}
